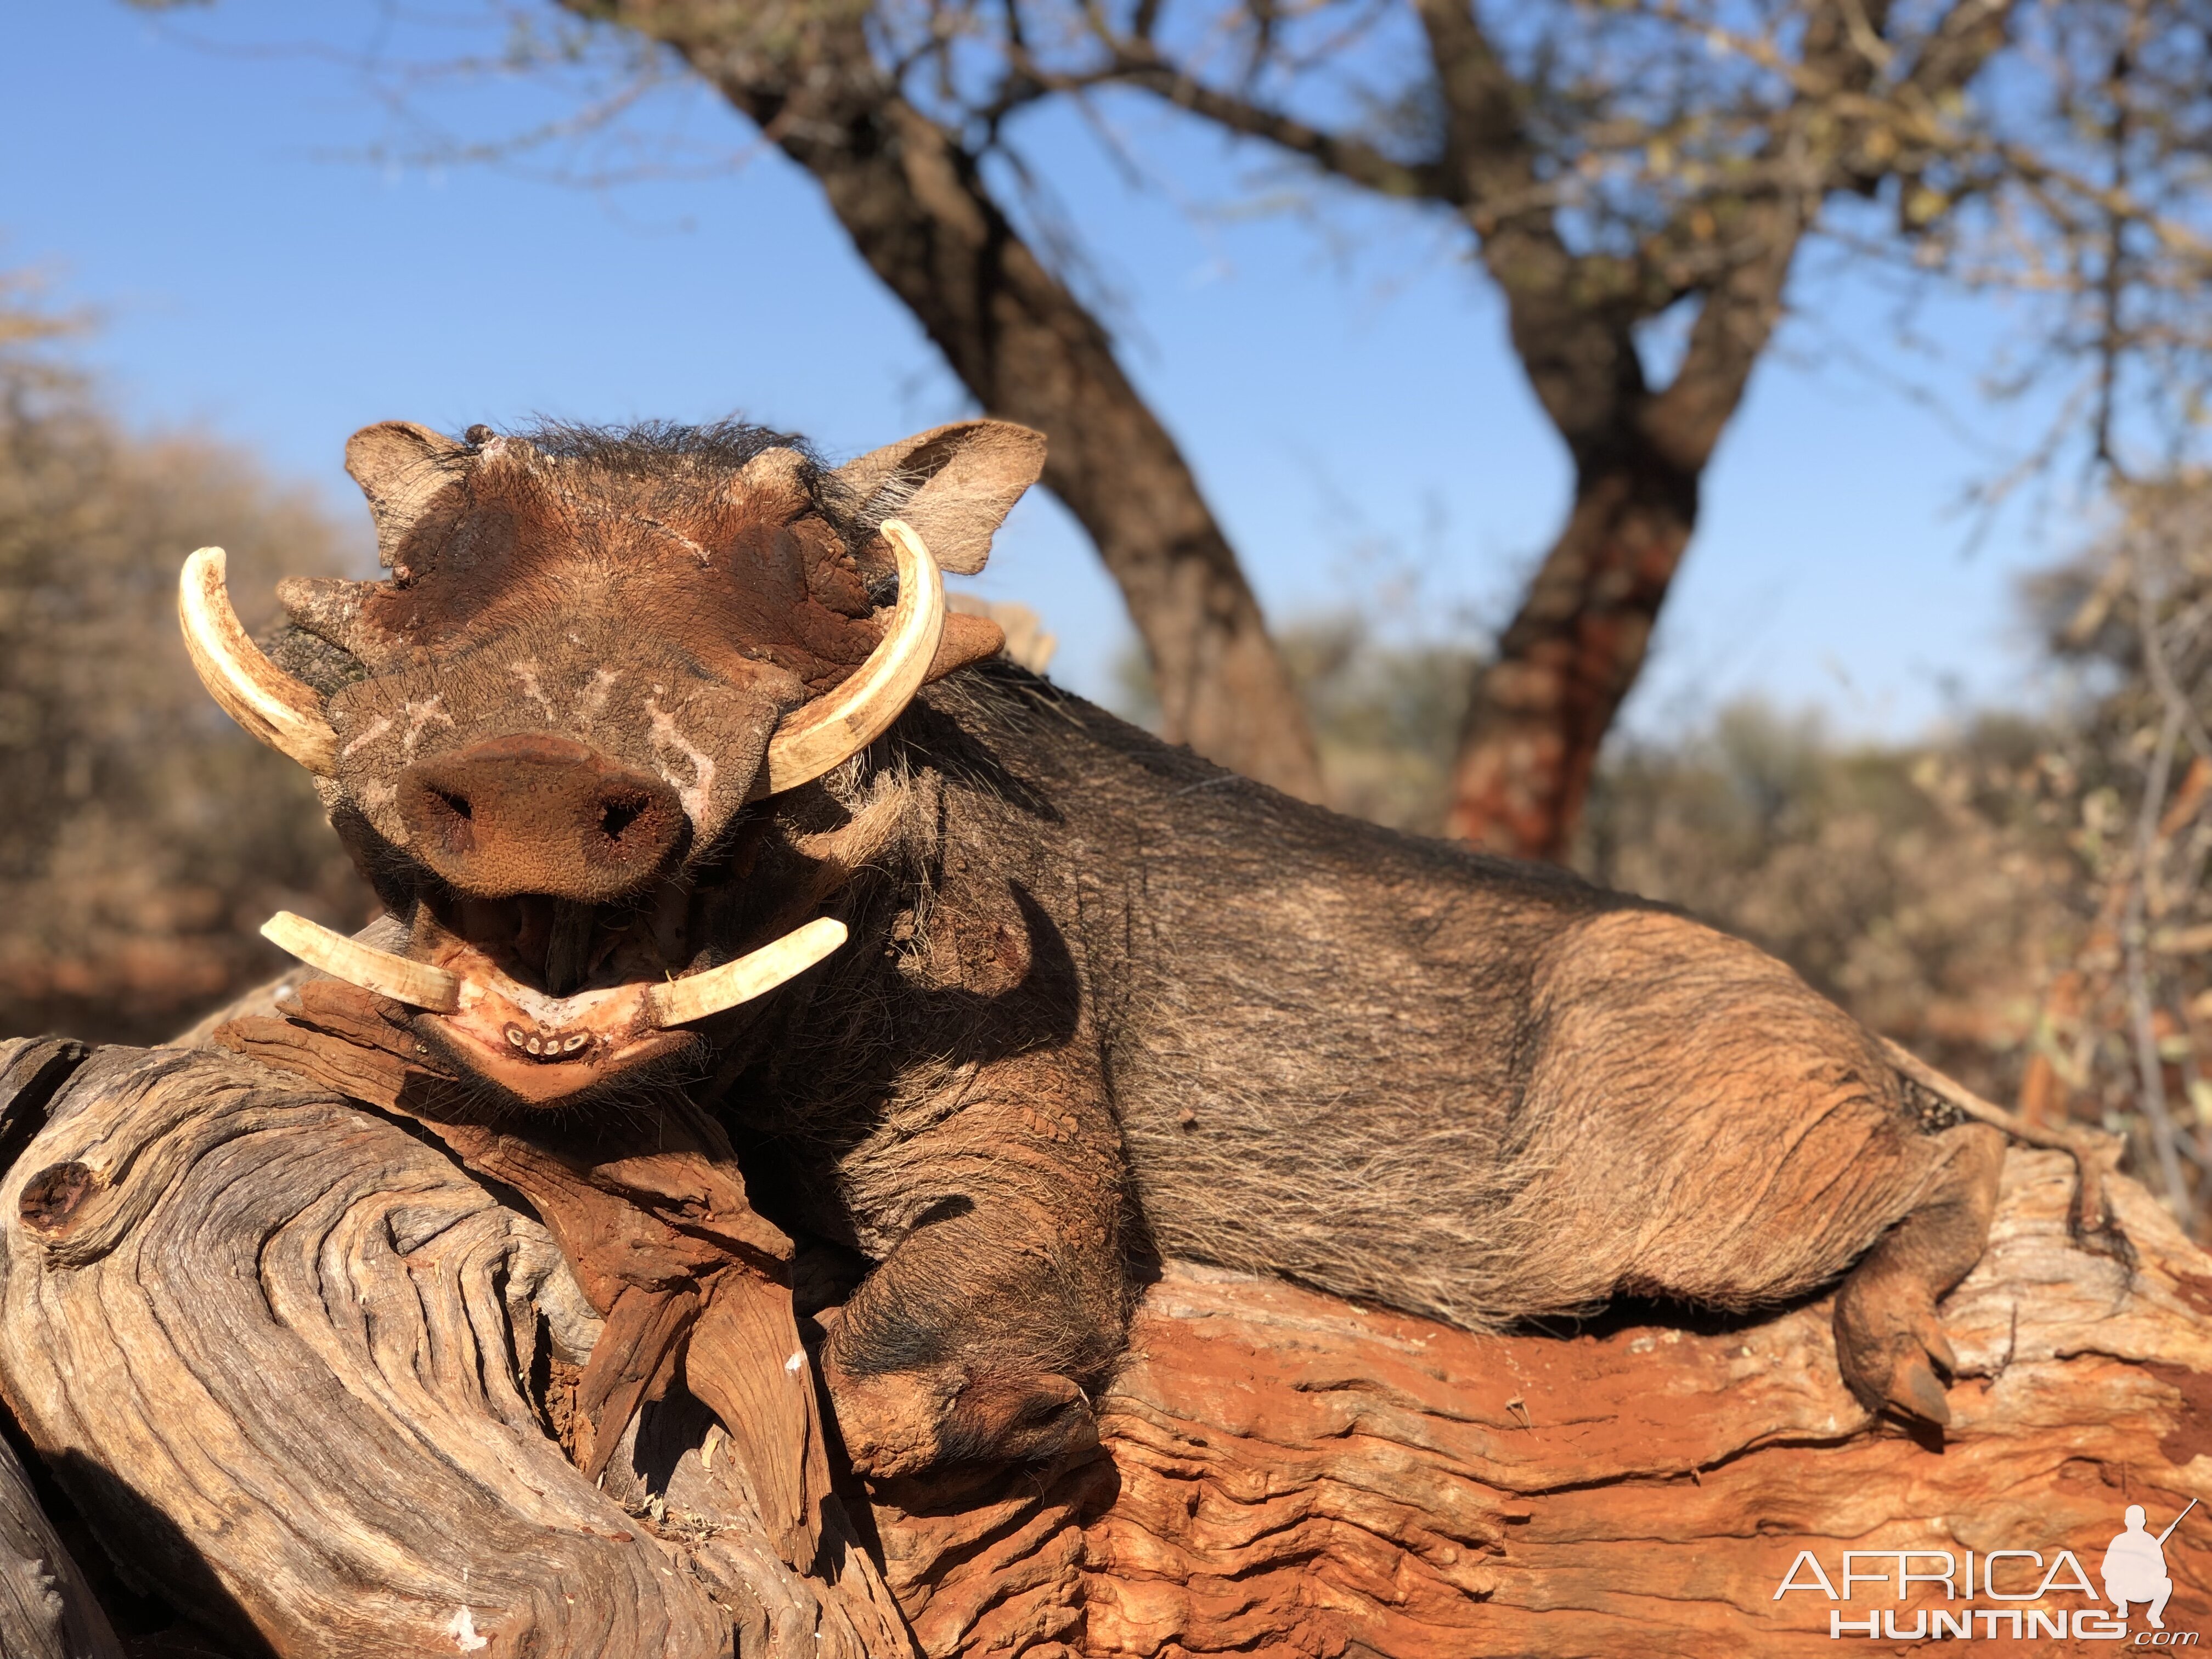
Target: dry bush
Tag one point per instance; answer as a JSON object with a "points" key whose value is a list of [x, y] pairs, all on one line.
{"points": [[2125, 1032], [145, 837]]}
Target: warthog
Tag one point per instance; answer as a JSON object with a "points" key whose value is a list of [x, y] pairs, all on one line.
{"points": [[631, 738]]}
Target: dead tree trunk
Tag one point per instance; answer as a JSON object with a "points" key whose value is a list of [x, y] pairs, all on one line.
{"points": [[302, 1373]]}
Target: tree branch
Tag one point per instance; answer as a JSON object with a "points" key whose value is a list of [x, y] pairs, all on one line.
{"points": [[1352, 159]]}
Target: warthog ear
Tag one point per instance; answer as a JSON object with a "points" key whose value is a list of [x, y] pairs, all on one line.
{"points": [[954, 484], [402, 468]]}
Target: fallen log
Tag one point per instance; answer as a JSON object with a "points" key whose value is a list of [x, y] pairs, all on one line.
{"points": [[297, 1371], [1285, 1473], [297, 1368]]}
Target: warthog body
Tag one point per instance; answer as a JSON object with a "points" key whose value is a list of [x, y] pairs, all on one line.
{"points": [[1100, 1001]]}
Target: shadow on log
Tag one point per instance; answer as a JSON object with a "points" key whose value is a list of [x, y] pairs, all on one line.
{"points": [[46, 1608], [290, 1361]]}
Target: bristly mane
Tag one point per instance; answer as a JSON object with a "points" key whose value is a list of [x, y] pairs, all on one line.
{"points": [[645, 447]]}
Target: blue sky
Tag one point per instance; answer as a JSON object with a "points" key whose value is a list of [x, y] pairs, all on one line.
{"points": [[1347, 399]]}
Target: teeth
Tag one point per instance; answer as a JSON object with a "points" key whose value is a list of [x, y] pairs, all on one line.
{"points": [[546, 1045], [356, 963], [683, 1000]]}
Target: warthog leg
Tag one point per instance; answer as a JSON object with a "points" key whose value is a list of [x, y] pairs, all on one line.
{"points": [[1889, 1341]]}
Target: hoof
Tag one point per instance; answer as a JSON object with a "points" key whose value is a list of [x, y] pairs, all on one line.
{"points": [[1036, 1419], [889, 1421], [897, 1424], [1891, 1348], [1914, 1391]]}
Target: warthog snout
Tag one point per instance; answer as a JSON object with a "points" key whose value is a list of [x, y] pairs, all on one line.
{"points": [[535, 813]]}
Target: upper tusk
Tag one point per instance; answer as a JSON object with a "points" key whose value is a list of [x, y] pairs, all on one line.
{"points": [[836, 727], [284, 713], [416, 982], [680, 1001]]}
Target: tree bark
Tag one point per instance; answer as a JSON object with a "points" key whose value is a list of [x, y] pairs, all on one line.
{"points": [[913, 198], [1541, 709]]}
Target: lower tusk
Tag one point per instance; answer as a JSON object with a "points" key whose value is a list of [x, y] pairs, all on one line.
{"points": [[680, 1001], [379, 971]]}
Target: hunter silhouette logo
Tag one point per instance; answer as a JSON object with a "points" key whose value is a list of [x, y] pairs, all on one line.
{"points": [[2133, 1572], [2135, 1567]]}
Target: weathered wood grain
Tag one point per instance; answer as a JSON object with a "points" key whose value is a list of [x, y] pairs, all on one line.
{"points": [[288, 1360], [658, 1229]]}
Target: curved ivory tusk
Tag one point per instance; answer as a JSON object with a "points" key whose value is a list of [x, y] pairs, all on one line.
{"points": [[281, 711], [416, 982], [680, 1001], [833, 728]]}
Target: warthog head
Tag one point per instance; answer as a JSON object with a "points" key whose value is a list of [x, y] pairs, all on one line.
{"points": [[596, 658]]}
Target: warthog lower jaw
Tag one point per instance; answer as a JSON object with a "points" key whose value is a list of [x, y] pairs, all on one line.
{"points": [[542, 1046]]}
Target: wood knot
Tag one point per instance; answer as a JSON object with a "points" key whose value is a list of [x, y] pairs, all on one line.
{"points": [[50, 1197]]}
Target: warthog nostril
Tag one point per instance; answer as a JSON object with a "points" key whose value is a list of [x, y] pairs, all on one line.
{"points": [[448, 816], [617, 816]]}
